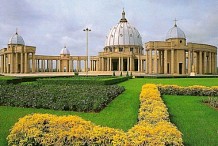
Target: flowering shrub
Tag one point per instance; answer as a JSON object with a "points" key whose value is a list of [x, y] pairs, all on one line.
{"points": [[192, 90], [47, 130], [153, 128]]}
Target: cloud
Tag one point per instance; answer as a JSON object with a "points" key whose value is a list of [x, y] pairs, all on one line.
{"points": [[51, 24]]}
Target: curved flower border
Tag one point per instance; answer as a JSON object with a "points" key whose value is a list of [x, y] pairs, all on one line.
{"points": [[153, 127]]}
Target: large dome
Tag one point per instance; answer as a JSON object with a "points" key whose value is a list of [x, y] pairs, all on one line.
{"points": [[16, 40], [175, 32], [123, 34], [65, 51]]}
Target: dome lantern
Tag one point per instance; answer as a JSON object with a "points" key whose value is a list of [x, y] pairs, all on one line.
{"points": [[123, 19]]}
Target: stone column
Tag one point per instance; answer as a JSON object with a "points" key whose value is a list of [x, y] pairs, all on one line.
{"points": [[146, 71], [141, 63], [79, 65], [16, 63], [97, 65], [21, 63], [103, 68], [189, 62], [127, 63], [5, 64], [130, 65], [2, 63], [212, 62], [91, 65], [56, 65], [215, 63], [209, 62], [121, 63], [184, 64], [150, 61], [70, 63], [155, 61], [159, 62], [52, 65], [119, 66], [59, 65], [200, 62], [36, 65], [107, 64], [110, 64], [33, 62], [205, 62], [42, 65], [85, 66], [172, 61], [12, 63], [165, 62], [26, 63]]}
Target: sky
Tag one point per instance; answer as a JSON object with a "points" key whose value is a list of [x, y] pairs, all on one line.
{"points": [[51, 24]]}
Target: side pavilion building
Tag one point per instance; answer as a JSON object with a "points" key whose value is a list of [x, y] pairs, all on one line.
{"points": [[175, 56]]}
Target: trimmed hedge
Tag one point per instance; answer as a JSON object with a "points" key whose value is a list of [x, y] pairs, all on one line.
{"points": [[83, 80], [59, 97]]}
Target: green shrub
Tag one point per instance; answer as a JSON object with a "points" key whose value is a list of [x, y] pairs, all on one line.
{"points": [[59, 97], [114, 73], [127, 74], [76, 73], [83, 80]]}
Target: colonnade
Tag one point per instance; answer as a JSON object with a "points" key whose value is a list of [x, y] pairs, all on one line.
{"points": [[18, 62], [59, 65], [172, 61], [124, 63], [29, 62]]}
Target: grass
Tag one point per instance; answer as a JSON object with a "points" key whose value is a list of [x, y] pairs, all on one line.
{"points": [[6, 78], [122, 112], [184, 81], [197, 121]]}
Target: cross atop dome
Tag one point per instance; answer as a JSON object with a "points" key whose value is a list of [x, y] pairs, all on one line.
{"points": [[16, 30], [123, 19], [175, 22]]}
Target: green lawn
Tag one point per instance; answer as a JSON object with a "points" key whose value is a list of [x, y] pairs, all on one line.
{"points": [[197, 122], [121, 113], [183, 81]]}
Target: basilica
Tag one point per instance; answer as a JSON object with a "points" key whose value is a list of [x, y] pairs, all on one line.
{"points": [[123, 51]]}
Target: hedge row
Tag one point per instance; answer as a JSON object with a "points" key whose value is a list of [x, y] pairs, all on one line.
{"points": [[153, 128], [192, 90], [82, 80], [59, 97]]}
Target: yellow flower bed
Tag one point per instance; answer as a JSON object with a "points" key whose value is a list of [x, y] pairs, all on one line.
{"points": [[153, 128]]}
